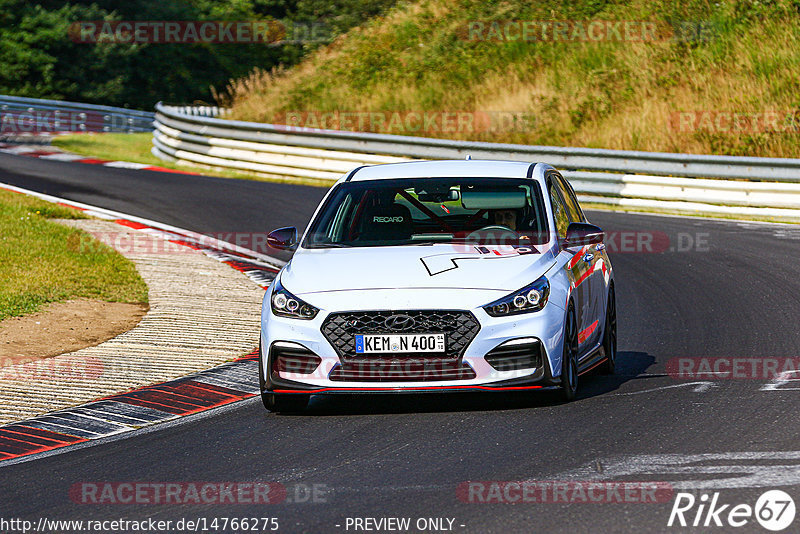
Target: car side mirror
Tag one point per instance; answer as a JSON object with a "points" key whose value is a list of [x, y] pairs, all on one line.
{"points": [[283, 238], [580, 234]]}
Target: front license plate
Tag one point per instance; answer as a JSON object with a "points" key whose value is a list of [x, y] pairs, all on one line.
{"points": [[402, 343]]}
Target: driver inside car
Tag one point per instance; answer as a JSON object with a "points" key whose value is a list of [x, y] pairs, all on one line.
{"points": [[507, 218]]}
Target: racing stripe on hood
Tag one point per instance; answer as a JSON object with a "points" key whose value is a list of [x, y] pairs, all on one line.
{"points": [[440, 263]]}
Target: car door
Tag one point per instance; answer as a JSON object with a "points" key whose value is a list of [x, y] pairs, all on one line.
{"points": [[592, 275], [574, 261]]}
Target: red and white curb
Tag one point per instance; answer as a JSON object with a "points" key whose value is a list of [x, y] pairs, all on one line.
{"points": [[51, 153], [131, 410]]}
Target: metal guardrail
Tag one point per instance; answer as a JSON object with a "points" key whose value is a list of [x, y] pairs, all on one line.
{"points": [[682, 182], [20, 116], [201, 111]]}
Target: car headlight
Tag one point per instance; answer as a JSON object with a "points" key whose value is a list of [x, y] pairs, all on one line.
{"points": [[284, 304], [530, 298]]}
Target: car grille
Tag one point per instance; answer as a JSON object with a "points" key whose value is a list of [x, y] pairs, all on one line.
{"points": [[459, 327], [395, 370]]}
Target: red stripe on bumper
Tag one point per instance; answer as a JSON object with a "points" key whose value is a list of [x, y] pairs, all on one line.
{"points": [[424, 388]]}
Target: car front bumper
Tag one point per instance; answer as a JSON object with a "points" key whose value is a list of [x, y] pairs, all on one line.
{"points": [[306, 337]]}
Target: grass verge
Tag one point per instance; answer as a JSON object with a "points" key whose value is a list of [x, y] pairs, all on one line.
{"points": [[42, 262], [112, 146], [705, 62], [136, 148]]}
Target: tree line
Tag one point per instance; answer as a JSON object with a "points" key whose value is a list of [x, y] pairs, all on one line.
{"points": [[44, 55]]}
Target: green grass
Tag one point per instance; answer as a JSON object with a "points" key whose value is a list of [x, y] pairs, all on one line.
{"points": [[42, 261], [610, 94], [136, 148], [112, 146]]}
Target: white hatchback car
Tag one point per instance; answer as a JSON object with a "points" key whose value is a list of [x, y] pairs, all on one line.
{"points": [[439, 276]]}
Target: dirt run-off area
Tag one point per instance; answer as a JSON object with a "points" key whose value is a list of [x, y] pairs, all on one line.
{"points": [[63, 327]]}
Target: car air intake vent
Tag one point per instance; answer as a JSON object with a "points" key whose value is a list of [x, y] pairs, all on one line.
{"points": [[459, 327], [292, 358], [394, 370], [516, 354]]}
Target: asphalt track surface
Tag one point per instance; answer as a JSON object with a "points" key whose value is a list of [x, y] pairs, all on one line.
{"points": [[735, 295]]}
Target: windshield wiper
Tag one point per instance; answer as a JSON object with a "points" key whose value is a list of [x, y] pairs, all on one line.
{"points": [[329, 245]]}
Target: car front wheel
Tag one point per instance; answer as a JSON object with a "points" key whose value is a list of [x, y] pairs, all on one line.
{"points": [[569, 361], [610, 335]]}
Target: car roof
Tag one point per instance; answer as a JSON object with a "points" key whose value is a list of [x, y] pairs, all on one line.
{"points": [[442, 169]]}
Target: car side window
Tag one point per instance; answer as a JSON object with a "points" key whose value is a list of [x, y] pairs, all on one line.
{"points": [[559, 211], [573, 208], [337, 224]]}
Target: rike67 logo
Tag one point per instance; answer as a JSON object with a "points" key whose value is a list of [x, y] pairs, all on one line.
{"points": [[774, 510]]}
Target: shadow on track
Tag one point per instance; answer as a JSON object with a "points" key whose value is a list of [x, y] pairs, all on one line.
{"points": [[629, 366]]}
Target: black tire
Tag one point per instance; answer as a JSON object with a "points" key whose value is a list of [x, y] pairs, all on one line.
{"points": [[569, 362], [610, 335], [276, 402], [262, 384]]}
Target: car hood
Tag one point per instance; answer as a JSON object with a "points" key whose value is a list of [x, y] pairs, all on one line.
{"points": [[440, 266]]}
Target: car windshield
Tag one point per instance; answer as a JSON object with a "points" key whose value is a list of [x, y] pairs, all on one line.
{"points": [[486, 211]]}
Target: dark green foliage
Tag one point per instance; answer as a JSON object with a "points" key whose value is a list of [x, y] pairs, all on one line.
{"points": [[38, 59]]}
